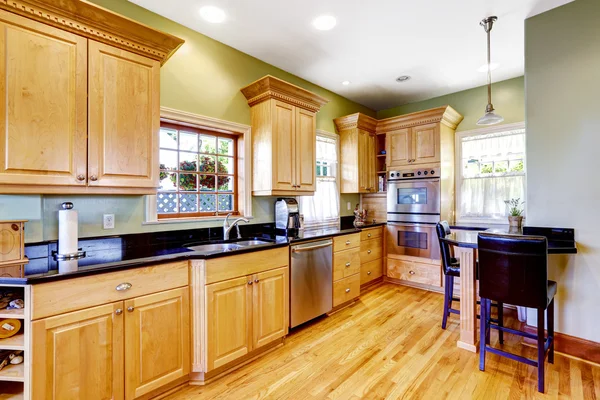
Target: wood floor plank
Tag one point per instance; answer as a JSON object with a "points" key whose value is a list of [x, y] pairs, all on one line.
{"points": [[389, 345]]}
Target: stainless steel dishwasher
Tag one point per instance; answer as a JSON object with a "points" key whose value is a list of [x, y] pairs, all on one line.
{"points": [[311, 280]]}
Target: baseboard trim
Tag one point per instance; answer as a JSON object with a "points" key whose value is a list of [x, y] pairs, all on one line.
{"points": [[572, 346]]}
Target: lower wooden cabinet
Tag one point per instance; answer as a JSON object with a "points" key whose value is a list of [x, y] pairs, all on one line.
{"points": [[346, 269], [411, 271], [270, 306], [371, 255], [121, 350]]}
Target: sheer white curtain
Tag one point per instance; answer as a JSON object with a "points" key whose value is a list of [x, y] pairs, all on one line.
{"points": [[492, 171], [323, 208]]}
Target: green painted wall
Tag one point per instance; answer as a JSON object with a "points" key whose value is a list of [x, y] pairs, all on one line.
{"points": [[507, 96], [562, 82], [203, 77]]}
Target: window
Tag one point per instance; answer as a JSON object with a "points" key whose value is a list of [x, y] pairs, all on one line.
{"points": [[491, 169], [197, 172], [323, 208]]}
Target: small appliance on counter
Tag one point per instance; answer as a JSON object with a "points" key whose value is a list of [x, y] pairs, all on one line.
{"points": [[287, 217], [68, 251]]}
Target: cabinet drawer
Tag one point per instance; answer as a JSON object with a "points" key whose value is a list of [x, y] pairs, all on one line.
{"points": [[370, 271], [55, 298], [346, 241], [346, 289], [346, 263], [427, 274], [372, 233], [371, 250]]}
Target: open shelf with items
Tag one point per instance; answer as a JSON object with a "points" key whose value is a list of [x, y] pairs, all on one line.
{"points": [[15, 379], [381, 168]]}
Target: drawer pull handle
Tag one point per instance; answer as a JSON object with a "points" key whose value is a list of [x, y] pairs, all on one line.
{"points": [[81, 177], [93, 178], [411, 272], [348, 290], [347, 264], [130, 308], [368, 235], [369, 251], [249, 282], [368, 272], [347, 242], [121, 287], [118, 311]]}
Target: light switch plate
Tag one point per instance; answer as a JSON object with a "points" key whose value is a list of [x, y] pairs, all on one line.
{"points": [[349, 206], [108, 221]]}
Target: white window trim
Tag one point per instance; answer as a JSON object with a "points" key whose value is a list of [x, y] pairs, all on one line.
{"points": [[330, 224], [244, 163], [457, 166]]}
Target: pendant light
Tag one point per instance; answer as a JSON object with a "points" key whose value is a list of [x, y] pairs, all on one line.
{"points": [[490, 117]]}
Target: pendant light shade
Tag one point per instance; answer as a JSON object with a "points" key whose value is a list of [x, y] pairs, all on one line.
{"points": [[490, 117]]}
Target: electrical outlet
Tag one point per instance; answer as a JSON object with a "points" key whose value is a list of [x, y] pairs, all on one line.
{"points": [[349, 206], [108, 221]]}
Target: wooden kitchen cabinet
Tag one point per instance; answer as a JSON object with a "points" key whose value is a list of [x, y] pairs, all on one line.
{"points": [[43, 95], [124, 118], [358, 151], [371, 255], [283, 137], [68, 347], [346, 269], [157, 341], [399, 147], [270, 308], [79, 101]]}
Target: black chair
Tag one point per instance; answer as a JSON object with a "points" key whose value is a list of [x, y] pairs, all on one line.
{"points": [[514, 269], [451, 268]]}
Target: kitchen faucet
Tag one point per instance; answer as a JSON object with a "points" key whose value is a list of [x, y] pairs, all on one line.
{"points": [[227, 228]]}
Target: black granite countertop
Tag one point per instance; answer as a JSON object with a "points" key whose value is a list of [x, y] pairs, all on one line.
{"points": [[115, 253]]}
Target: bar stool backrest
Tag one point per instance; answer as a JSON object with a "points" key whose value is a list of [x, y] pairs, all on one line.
{"points": [[442, 228]]}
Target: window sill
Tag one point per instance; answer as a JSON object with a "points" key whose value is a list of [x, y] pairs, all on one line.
{"points": [[219, 218]]}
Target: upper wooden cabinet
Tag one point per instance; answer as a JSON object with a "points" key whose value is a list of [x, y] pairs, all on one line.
{"points": [[283, 137], [80, 99], [419, 138], [357, 153]]}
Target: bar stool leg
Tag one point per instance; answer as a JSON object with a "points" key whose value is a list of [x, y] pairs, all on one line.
{"points": [[540, 348], [482, 334], [551, 331], [501, 322], [488, 315], [447, 301]]}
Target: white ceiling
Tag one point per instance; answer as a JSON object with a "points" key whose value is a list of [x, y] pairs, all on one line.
{"points": [[439, 43]]}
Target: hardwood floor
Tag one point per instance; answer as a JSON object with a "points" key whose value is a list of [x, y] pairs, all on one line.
{"points": [[390, 344]]}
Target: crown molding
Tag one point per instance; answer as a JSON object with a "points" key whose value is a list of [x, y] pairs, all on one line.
{"points": [[270, 87], [445, 115], [357, 120], [96, 23]]}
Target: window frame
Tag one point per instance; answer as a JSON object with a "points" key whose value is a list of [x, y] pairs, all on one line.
{"points": [[217, 135], [459, 136], [243, 167]]}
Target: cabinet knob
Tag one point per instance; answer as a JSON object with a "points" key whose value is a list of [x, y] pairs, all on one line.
{"points": [[369, 251], [256, 281], [81, 177], [368, 235], [368, 272], [118, 311], [93, 178], [347, 264], [348, 290], [347, 242], [411, 272], [130, 308], [121, 287], [249, 282]]}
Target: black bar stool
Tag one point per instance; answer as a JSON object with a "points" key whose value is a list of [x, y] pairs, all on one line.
{"points": [[514, 270]]}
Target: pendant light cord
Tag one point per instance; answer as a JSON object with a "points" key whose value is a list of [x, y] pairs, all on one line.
{"points": [[489, 68]]}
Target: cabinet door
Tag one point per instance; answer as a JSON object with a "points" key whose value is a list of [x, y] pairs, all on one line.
{"points": [[124, 118], [270, 306], [79, 355], [228, 321], [157, 341], [363, 161], [43, 97], [284, 157], [399, 147], [372, 163], [426, 144], [306, 150]]}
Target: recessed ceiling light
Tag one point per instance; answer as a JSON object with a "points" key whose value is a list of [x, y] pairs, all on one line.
{"points": [[212, 14], [324, 22], [345, 83], [402, 78], [484, 67]]}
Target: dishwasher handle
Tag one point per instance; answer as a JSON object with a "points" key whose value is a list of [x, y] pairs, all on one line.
{"points": [[302, 249]]}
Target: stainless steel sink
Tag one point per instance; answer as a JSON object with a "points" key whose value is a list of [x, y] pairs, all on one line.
{"points": [[253, 242], [215, 247]]}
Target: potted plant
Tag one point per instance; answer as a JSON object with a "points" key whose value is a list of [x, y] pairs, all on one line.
{"points": [[515, 212]]}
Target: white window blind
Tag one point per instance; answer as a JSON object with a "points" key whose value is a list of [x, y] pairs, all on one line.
{"points": [[492, 169], [323, 208]]}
